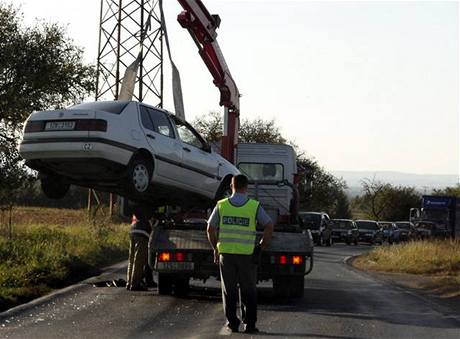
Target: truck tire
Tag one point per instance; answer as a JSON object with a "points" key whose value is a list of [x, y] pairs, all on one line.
{"points": [[165, 284], [181, 286], [281, 287], [296, 286]]}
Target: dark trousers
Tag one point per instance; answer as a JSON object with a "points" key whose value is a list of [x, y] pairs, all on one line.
{"points": [[138, 257], [239, 270]]}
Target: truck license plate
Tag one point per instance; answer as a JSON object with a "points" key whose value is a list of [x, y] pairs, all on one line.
{"points": [[175, 266], [60, 126]]}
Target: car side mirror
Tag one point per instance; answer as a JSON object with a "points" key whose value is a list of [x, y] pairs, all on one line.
{"points": [[207, 148]]}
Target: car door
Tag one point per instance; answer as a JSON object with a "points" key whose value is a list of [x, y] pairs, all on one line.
{"points": [[199, 164], [165, 147]]}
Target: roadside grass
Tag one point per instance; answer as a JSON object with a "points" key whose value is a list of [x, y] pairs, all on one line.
{"points": [[437, 260], [52, 248]]}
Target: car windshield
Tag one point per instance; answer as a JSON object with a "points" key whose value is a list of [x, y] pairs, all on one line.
{"points": [[311, 220], [344, 224], [262, 171], [115, 107], [368, 225]]}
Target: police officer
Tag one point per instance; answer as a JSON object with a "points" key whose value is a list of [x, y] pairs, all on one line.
{"points": [[232, 234], [138, 249]]}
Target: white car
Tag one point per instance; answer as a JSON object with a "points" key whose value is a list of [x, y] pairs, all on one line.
{"points": [[125, 147]]}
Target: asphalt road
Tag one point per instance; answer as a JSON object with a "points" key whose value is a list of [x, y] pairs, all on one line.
{"points": [[339, 302]]}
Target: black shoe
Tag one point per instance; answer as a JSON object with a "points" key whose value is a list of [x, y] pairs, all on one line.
{"points": [[251, 329], [152, 284]]}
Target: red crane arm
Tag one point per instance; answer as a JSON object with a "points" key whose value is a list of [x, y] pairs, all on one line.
{"points": [[202, 27]]}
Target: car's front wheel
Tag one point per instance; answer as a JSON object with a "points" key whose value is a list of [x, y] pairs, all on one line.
{"points": [[139, 178], [54, 186]]}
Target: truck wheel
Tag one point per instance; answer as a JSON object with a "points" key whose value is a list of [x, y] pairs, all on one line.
{"points": [[54, 186], [281, 287], [181, 287], [296, 286], [164, 284], [140, 172]]}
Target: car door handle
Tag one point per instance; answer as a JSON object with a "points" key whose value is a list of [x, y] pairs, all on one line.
{"points": [[150, 136], [186, 149]]}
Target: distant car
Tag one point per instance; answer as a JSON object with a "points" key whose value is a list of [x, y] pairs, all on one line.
{"points": [[370, 231], [391, 232], [428, 229], [125, 147], [407, 230], [345, 230], [319, 225]]}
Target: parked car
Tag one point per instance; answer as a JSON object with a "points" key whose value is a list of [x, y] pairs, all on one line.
{"points": [[407, 230], [125, 147], [319, 225], [391, 232], [370, 231], [345, 230], [428, 229]]}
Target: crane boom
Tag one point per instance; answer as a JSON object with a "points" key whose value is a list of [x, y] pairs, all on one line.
{"points": [[202, 27]]}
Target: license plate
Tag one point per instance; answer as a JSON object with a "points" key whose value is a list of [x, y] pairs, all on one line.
{"points": [[175, 266], [60, 126]]}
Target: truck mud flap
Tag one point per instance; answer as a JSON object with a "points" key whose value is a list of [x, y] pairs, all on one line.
{"points": [[310, 268]]}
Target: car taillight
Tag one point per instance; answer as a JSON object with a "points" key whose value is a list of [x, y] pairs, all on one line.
{"points": [[283, 260], [180, 256], [34, 126], [297, 260], [91, 125], [165, 256]]}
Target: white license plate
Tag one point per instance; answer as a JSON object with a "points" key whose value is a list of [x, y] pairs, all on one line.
{"points": [[175, 266], [60, 126]]}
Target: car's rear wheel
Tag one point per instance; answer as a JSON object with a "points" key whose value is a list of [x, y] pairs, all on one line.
{"points": [[54, 186], [139, 178]]}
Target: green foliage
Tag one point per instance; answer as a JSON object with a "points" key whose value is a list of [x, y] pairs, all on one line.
{"points": [[210, 126], [448, 191], [40, 258], [383, 201], [320, 190], [40, 68]]}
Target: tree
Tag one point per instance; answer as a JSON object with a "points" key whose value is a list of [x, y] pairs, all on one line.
{"points": [[40, 68], [453, 191], [320, 190], [210, 126], [383, 201]]}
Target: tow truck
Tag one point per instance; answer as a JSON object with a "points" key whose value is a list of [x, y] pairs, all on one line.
{"points": [[178, 248]]}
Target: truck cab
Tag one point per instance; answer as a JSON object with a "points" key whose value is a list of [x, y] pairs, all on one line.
{"points": [[272, 172]]}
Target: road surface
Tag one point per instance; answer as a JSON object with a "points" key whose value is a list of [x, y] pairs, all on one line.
{"points": [[339, 302]]}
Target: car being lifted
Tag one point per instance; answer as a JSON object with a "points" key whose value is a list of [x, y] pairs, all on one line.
{"points": [[125, 147]]}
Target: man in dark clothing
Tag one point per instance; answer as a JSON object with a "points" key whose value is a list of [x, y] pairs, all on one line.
{"points": [[138, 249], [232, 234]]}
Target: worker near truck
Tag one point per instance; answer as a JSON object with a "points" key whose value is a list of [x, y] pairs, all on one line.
{"points": [[232, 234], [138, 250]]}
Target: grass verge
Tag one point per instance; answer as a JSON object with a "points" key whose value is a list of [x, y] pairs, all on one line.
{"points": [[435, 265], [41, 257]]}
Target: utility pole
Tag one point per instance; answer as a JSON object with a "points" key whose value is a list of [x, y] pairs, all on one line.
{"points": [[122, 23]]}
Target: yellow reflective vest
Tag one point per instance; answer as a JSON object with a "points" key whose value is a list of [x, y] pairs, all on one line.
{"points": [[237, 227]]}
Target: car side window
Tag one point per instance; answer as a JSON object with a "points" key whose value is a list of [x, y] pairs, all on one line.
{"points": [[145, 119], [187, 135], [156, 121]]}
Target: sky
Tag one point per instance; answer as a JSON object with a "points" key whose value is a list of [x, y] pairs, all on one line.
{"points": [[362, 86]]}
